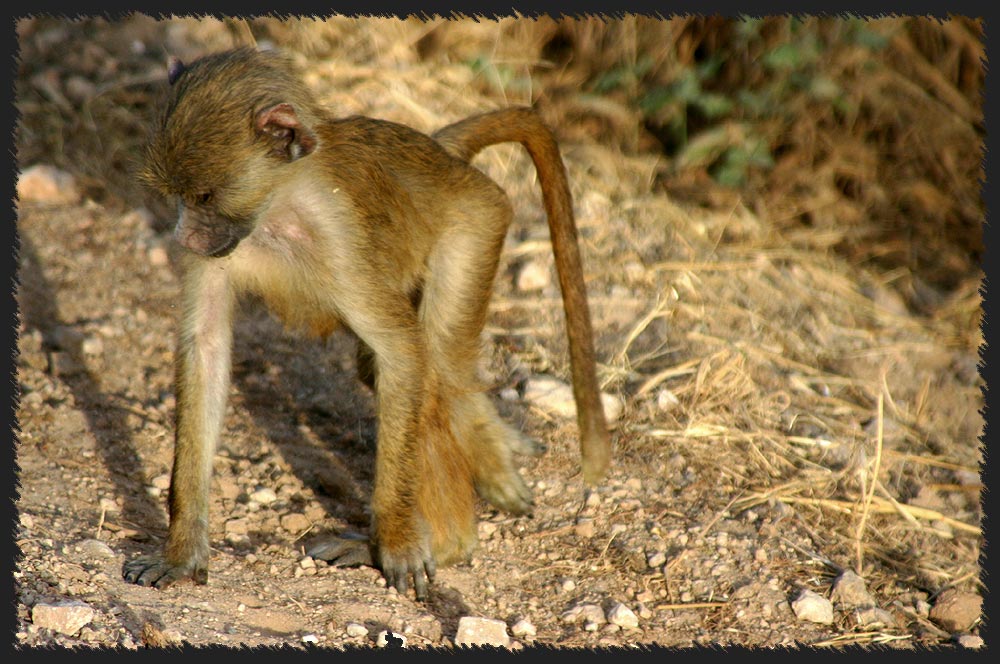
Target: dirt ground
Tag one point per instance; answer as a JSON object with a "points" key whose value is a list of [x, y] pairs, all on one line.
{"points": [[788, 414]]}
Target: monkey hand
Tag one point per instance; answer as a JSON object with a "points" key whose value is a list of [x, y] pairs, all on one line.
{"points": [[157, 572]]}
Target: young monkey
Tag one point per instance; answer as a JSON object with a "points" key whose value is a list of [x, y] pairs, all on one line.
{"points": [[379, 228]]}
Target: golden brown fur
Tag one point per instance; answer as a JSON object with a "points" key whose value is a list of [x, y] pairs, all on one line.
{"points": [[379, 228]]}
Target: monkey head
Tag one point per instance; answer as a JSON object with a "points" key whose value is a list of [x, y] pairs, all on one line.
{"points": [[231, 123]]}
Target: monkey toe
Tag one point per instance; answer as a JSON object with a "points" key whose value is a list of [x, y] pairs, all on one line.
{"points": [[527, 446], [398, 568], [399, 571], [155, 572], [343, 551]]}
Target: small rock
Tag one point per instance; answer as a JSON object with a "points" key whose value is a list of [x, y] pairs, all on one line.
{"points": [[666, 400], [307, 563], [635, 272], [509, 394], [42, 183], [61, 364], [66, 617], [568, 585], [383, 638], [295, 522], [263, 496], [556, 397], [523, 628], [154, 637], [923, 608], [590, 613], [487, 530], [237, 527], [92, 346], [356, 629], [928, 497], [158, 256], [871, 616], [970, 641], [621, 615], [967, 477], [534, 276], [849, 590], [474, 631], [645, 596], [656, 559], [79, 89], [108, 504], [612, 406], [96, 549], [310, 638], [812, 607], [161, 482], [584, 528], [228, 488], [65, 337], [956, 611]]}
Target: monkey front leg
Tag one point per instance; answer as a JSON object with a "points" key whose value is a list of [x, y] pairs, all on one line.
{"points": [[202, 371], [401, 537]]}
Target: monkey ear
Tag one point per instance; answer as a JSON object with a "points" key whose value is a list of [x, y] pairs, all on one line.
{"points": [[289, 138], [174, 68]]}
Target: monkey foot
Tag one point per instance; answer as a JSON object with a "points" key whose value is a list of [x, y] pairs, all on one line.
{"points": [[398, 567], [350, 550], [523, 445], [156, 572], [508, 492]]}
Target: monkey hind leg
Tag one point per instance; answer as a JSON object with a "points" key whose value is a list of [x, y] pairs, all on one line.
{"points": [[492, 443], [446, 491]]}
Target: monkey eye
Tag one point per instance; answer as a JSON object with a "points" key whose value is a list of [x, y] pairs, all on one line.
{"points": [[204, 198]]}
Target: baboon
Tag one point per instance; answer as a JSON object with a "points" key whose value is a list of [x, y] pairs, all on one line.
{"points": [[369, 225]]}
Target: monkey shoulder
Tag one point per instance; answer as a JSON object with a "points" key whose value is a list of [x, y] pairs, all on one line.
{"points": [[360, 137]]}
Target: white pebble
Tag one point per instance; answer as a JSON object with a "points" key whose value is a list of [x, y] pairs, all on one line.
{"points": [[523, 628], [158, 256], [666, 400], [356, 629], [474, 631], [264, 496], [621, 615], [812, 607], [42, 183], [161, 482], [534, 276], [590, 613]]}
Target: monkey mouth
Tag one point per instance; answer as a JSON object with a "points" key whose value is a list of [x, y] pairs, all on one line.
{"points": [[225, 249]]}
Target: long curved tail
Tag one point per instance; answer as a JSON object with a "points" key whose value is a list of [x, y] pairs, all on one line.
{"points": [[464, 140]]}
